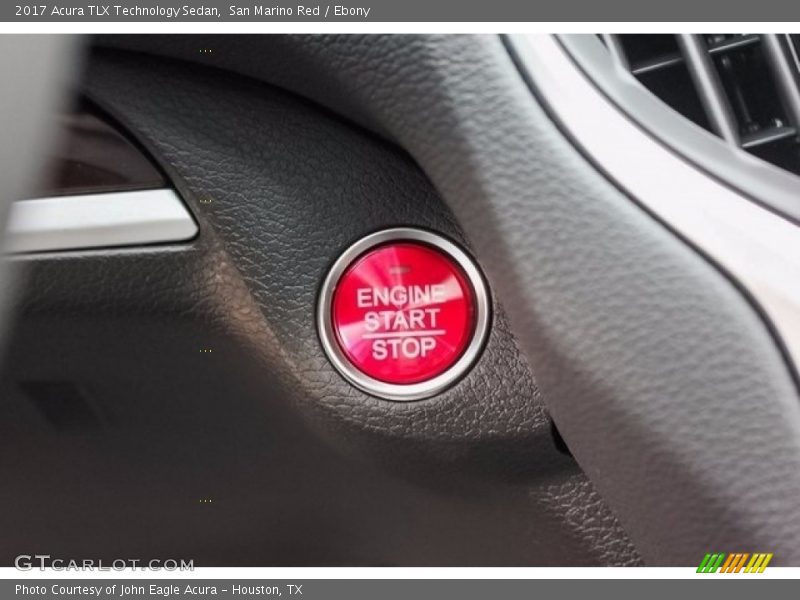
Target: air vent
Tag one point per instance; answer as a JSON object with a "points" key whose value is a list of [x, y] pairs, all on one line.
{"points": [[741, 87]]}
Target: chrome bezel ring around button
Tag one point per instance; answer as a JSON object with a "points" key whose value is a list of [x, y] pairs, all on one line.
{"points": [[423, 389]]}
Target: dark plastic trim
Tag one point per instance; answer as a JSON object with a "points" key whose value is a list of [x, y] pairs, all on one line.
{"points": [[769, 186]]}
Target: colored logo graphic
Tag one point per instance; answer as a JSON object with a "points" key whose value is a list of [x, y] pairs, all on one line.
{"points": [[734, 563]]}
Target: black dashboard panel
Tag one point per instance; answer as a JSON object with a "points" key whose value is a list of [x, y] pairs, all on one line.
{"points": [[300, 467]]}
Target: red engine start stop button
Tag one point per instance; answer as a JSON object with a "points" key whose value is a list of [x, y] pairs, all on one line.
{"points": [[403, 313]]}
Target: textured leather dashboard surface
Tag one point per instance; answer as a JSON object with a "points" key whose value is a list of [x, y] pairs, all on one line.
{"points": [[654, 365], [303, 469]]}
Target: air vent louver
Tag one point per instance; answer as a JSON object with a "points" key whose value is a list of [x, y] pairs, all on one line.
{"points": [[743, 88]]}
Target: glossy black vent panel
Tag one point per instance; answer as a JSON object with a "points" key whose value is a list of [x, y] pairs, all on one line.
{"points": [[90, 155], [741, 87]]}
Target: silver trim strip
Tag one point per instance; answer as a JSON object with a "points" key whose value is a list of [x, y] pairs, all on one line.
{"points": [[784, 71], [389, 391], [615, 49], [709, 87], [756, 246], [97, 221]]}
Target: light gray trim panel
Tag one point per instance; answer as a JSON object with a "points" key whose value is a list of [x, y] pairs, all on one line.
{"points": [[758, 247], [98, 221]]}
